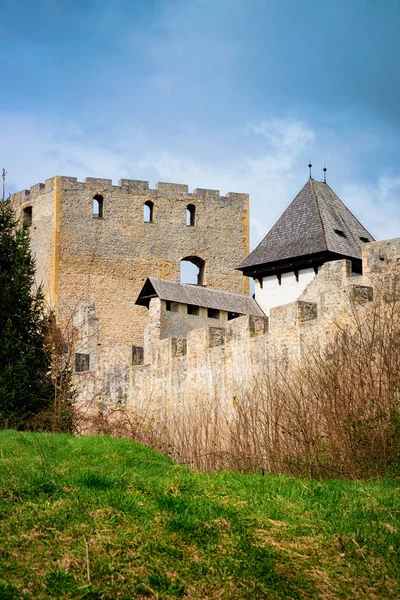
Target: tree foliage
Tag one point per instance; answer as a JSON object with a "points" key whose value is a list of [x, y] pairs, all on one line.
{"points": [[26, 387]]}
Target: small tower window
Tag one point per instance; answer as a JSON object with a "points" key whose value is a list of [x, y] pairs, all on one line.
{"points": [[190, 215], [148, 211], [98, 206], [27, 215]]}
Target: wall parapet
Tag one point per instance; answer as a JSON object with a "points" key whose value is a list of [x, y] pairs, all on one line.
{"points": [[135, 186]]}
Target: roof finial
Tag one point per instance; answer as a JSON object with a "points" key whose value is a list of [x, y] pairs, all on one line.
{"points": [[310, 166], [324, 170]]}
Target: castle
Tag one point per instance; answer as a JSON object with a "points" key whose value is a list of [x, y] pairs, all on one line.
{"points": [[110, 258]]}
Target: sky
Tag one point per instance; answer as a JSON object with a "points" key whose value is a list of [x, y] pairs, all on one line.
{"points": [[234, 95]]}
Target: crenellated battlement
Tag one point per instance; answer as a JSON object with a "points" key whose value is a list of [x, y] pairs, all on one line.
{"points": [[335, 293], [99, 241], [21, 197], [133, 186]]}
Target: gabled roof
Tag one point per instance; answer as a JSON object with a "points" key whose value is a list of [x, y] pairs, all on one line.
{"points": [[316, 221], [198, 296]]}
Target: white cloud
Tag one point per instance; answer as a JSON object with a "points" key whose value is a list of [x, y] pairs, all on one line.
{"points": [[377, 204], [284, 134], [271, 176], [270, 165]]}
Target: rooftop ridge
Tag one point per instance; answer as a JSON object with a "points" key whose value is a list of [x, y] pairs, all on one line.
{"points": [[311, 183], [194, 285], [324, 183]]}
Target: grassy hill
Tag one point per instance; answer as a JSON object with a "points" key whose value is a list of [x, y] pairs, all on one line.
{"points": [[154, 529]]}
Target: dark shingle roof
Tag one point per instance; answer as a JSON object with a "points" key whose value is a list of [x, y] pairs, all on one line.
{"points": [[198, 296], [309, 225]]}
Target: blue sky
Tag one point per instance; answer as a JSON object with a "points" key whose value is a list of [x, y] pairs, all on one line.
{"points": [[234, 95]]}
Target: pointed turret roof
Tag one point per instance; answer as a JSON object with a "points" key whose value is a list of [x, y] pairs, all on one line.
{"points": [[315, 222]]}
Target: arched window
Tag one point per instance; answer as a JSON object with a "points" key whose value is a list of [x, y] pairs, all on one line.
{"points": [[98, 206], [192, 270], [27, 215], [148, 211], [190, 215]]}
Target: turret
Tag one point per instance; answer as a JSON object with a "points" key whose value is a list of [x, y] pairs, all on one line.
{"points": [[315, 228]]}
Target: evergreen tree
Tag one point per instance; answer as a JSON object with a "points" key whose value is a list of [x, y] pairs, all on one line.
{"points": [[25, 382]]}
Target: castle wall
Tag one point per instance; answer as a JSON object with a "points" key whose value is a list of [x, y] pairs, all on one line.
{"points": [[218, 362], [105, 261], [380, 258], [41, 199]]}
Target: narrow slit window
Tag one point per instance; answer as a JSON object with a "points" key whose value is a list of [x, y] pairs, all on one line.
{"points": [[137, 355], [27, 215], [148, 213], [190, 215], [98, 206]]}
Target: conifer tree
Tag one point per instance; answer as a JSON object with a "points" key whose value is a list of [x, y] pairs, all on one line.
{"points": [[25, 382]]}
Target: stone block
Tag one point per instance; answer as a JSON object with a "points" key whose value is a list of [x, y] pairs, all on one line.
{"points": [[306, 311], [96, 181], [20, 197], [172, 189], [134, 185], [178, 347], [34, 189], [258, 325], [205, 193], [216, 336], [361, 294]]}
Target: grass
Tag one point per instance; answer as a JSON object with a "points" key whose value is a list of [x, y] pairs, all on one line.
{"points": [[154, 529]]}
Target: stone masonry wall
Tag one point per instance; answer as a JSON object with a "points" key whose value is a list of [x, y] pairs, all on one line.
{"points": [[105, 261], [179, 323], [41, 199], [218, 362]]}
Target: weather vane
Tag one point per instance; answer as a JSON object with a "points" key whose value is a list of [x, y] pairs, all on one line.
{"points": [[4, 173], [310, 166], [324, 170]]}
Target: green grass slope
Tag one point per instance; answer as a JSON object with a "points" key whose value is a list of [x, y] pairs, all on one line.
{"points": [[154, 529]]}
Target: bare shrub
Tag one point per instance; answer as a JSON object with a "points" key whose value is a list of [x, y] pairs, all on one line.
{"points": [[335, 412]]}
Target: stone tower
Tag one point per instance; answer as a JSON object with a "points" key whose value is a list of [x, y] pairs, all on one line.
{"points": [[94, 248]]}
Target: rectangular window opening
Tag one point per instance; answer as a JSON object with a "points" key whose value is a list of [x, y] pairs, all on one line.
{"points": [[27, 215], [193, 310], [172, 306], [233, 315], [81, 363], [213, 313]]}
